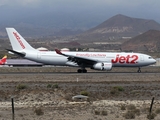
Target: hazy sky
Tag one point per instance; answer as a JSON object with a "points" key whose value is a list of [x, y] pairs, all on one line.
{"points": [[134, 6], [97, 9]]}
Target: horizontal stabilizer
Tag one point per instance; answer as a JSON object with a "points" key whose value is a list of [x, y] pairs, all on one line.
{"points": [[18, 53]]}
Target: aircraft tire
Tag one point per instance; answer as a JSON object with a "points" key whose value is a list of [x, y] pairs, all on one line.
{"points": [[82, 71], [139, 70]]}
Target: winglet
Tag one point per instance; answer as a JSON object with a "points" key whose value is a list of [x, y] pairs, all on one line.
{"points": [[58, 51]]}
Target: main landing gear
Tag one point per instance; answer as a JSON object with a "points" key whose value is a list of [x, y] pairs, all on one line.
{"points": [[82, 71], [139, 70]]}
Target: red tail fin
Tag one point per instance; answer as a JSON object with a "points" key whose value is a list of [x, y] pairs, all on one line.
{"points": [[3, 60]]}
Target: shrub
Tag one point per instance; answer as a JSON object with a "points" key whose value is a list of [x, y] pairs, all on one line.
{"points": [[21, 86], [137, 111], [129, 115], [55, 86], [123, 107], [151, 116], [67, 97], [39, 111], [119, 88], [131, 107], [145, 110], [105, 113], [158, 110], [97, 112], [49, 86], [132, 111], [84, 93], [115, 90]]}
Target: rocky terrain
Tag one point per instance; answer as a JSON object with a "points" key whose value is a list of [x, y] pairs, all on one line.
{"points": [[46, 93], [148, 41]]}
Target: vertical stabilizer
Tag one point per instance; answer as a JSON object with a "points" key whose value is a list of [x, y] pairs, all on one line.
{"points": [[17, 41], [3, 60]]}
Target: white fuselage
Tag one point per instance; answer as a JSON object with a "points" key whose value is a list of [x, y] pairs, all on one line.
{"points": [[117, 59]]}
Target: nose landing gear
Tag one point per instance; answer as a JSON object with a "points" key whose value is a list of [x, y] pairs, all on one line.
{"points": [[139, 70]]}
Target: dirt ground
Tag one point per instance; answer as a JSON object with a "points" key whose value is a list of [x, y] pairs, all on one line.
{"points": [[46, 94]]}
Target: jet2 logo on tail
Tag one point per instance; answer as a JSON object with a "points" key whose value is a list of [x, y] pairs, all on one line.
{"points": [[19, 40], [125, 59]]}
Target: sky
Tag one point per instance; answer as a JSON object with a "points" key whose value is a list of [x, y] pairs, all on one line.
{"points": [[98, 10]]}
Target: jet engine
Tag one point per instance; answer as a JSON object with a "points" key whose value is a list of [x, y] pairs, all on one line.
{"points": [[102, 66]]}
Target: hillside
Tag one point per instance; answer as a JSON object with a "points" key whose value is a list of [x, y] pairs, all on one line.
{"points": [[117, 27], [110, 32], [148, 41]]}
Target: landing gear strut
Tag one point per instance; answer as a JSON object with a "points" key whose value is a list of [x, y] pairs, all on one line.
{"points": [[82, 71], [139, 70]]}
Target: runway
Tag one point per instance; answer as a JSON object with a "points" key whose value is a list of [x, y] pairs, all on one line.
{"points": [[69, 74], [74, 77], [73, 70]]}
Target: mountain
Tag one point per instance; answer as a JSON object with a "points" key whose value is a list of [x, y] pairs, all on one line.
{"points": [[148, 41], [110, 32], [36, 25], [117, 27]]}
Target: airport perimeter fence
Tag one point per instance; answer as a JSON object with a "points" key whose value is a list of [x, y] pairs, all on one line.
{"points": [[87, 111]]}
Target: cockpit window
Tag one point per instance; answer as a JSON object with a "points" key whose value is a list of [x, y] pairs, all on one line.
{"points": [[150, 57]]}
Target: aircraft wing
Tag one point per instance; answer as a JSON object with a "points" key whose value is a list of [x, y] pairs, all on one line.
{"points": [[78, 59]]}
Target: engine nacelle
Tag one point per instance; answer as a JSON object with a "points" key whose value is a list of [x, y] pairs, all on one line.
{"points": [[102, 66]]}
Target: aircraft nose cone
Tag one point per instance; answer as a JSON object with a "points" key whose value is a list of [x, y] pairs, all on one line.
{"points": [[155, 60]]}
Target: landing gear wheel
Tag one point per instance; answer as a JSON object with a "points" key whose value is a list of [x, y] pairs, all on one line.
{"points": [[139, 70], [82, 71], [79, 70]]}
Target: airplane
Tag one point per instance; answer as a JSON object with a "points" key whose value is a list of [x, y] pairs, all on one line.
{"points": [[3, 60], [103, 61]]}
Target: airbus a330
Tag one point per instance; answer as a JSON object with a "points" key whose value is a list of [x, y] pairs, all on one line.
{"points": [[95, 60]]}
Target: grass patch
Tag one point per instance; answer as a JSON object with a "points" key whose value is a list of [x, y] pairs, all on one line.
{"points": [[21, 86], [104, 113], [49, 86], [55, 86], [38, 111], [131, 107], [157, 111], [119, 88], [52, 86], [123, 107], [132, 111], [115, 90], [101, 112], [129, 115], [151, 116], [85, 93], [96, 112]]}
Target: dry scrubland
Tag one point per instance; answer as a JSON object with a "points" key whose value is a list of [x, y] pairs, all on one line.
{"points": [[48, 96]]}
